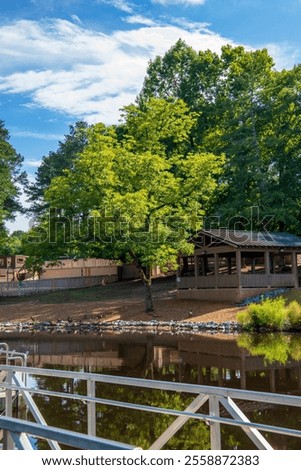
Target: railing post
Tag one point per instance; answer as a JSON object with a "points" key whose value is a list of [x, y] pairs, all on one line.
{"points": [[215, 428], [91, 408], [8, 443]]}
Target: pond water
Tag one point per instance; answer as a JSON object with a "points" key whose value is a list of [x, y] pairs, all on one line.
{"points": [[270, 362]]}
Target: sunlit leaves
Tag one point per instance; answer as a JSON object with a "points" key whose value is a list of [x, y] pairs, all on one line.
{"points": [[141, 185]]}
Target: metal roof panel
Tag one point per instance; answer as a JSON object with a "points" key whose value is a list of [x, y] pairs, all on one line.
{"points": [[253, 239]]}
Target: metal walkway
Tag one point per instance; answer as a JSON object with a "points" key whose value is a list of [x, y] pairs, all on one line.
{"points": [[17, 433]]}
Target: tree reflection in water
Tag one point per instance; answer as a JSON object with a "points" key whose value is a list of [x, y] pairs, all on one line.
{"points": [[274, 347], [269, 362]]}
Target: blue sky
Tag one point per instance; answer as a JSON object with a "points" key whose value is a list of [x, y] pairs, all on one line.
{"points": [[66, 60]]}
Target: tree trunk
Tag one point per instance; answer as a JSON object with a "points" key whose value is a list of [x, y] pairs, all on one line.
{"points": [[146, 277], [148, 296]]}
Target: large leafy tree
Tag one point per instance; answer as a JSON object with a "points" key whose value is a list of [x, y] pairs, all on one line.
{"points": [[140, 190], [248, 111], [11, 179], [281, 141], [242, 107], [192, 76]]}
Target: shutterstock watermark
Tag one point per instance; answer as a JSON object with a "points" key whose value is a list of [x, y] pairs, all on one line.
{"points": [[111, 227]]}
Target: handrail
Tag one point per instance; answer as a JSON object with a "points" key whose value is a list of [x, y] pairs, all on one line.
{"points": [[291, 400], [12, 355], [146, 408], [78, 440], [218, 397], [4, 349]]}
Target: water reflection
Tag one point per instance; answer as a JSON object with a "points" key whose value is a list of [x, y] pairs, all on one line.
{"points": [[273, 347], [267, 363]]}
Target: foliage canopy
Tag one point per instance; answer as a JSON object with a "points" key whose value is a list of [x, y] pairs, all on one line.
{"points": [[140, 196]]}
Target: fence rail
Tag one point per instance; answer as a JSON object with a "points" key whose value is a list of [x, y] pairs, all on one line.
{"points": [[20, 430], [231, 281], [266, 280], [218, 399], [15, 288]]}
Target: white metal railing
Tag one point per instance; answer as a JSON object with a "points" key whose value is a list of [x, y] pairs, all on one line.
{"points": [[19, 430], [218, 399], [12, 356]]}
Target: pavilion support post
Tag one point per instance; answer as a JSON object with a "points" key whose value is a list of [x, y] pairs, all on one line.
{"points": [[216, 269], [196, 269], [267, 267], [238, 268], [295, 268], [179, 267], [196, 265]]}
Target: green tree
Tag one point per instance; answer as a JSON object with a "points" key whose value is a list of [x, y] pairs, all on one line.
{"points": [[54, 165], [11, 180], [191, 76], [242, 106], [249, 112], [13, 244], [281, 141], [142, 195]]}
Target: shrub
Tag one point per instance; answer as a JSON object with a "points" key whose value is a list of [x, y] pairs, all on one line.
{"points": [[294, 314], [271, 313]]}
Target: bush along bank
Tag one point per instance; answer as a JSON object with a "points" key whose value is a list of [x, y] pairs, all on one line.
{"points": [[271, 314]]}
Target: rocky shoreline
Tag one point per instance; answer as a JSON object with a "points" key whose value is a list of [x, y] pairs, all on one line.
{"points": [[154, 326]]}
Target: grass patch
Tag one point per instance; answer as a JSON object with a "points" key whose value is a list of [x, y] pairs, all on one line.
{"points": [[278, 314]]}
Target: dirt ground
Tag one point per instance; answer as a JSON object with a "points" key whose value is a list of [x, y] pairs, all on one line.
{"points": [[120, 301]]}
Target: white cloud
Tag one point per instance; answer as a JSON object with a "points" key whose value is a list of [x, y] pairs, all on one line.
{"points": [[191, 25], [35, 135], [34, 163], [180, 2], [138, 19], [122, 5], [61, 66], [76, 19], [26, 44], [64, 67], [285, 55]]}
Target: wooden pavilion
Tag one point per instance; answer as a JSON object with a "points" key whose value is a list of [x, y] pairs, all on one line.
{"points": [[232, 264]]}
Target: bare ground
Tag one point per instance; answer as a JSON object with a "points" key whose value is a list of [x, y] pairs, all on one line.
{"points": [[120, 301]]}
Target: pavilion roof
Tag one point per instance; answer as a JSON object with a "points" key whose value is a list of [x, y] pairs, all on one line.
{"points": [[252, 239]]}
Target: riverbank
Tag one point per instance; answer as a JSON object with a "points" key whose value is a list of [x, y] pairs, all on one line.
{"points": [[123, 301]]}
